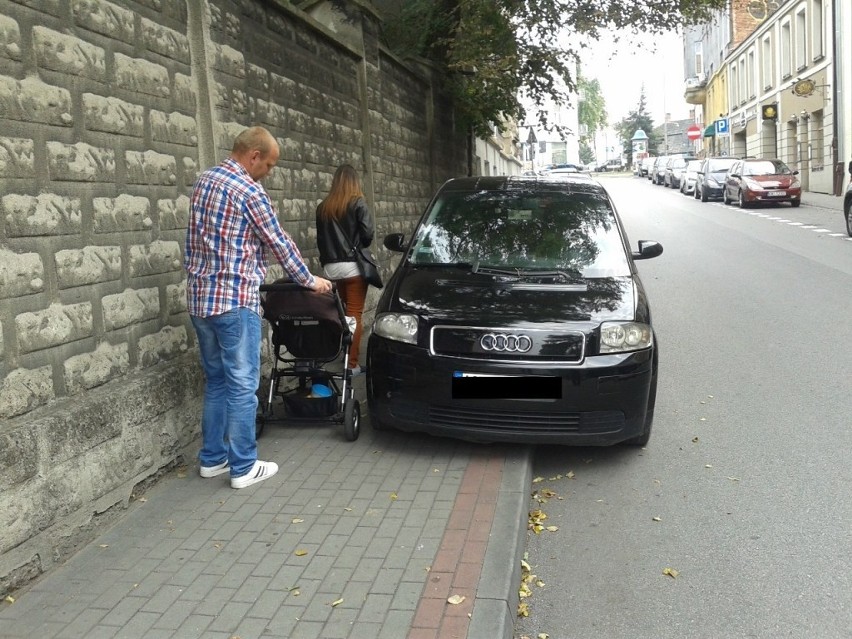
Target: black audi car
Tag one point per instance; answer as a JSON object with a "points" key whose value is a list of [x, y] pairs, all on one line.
{"points": [[516, 315]]}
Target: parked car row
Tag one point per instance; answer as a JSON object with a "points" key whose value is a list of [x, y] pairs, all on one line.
{"points": [[744, 181]]}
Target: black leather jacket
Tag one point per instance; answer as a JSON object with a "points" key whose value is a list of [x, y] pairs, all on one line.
{"points": [[358, 226]]}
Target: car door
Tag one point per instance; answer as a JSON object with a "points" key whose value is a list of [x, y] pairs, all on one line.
{"points": [[732, 181]]}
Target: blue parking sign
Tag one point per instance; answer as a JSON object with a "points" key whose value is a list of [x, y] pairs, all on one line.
{"points": [[722, 126]]}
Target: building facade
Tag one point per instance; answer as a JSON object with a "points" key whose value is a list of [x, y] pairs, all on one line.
{"points": [[777, 91]]}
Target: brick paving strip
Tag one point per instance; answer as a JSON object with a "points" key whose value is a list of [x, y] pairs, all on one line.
{"points": [[461, 567]]}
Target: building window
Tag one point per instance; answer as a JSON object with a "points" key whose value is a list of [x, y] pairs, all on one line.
{"points": [[817, 30], [801, 41], [750, 73], [786, 50], [818, 150], [744, 89], [735, 86], [699, 59], [768, 68]]}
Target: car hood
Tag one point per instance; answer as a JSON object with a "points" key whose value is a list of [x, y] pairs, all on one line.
{"points": [[446, 295], [773, 181]]}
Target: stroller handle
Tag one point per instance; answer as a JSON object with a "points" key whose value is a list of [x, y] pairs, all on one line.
{"points": [[277, 287]]}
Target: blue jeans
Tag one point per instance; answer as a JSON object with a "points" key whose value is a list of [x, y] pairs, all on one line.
{"points": [[230, 355]]}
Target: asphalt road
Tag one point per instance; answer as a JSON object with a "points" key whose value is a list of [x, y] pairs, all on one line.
{"points": [[745, 489]]}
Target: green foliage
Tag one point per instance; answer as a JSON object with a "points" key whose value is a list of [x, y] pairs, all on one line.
{"points": [[592, 108], [492, 52], [636, 119]]}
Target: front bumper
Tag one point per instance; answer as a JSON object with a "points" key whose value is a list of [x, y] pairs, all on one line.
{"points": [[604, 400], [712, 192], [763, 197]]}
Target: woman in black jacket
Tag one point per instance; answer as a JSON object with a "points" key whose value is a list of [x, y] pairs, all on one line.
{"points": [[344, 221]]}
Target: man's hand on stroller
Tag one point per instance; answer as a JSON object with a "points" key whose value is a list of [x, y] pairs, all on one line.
{"points": [[321, 285]]}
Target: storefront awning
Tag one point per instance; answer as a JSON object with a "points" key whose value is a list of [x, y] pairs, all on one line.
{"points": [[710, 131]]}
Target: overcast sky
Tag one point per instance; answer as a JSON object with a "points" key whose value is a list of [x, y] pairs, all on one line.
{"points": [[622, 70]]}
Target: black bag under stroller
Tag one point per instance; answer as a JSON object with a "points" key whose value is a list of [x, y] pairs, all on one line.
{"points": [[309, 331]]}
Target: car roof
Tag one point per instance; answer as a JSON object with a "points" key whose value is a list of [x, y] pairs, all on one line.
{"points": [[572, 182]]}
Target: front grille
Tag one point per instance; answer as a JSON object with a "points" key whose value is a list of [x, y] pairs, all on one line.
{"points": [[543, 345]]}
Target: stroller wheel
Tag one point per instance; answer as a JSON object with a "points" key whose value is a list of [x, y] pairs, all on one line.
{"points": [[351, 419]]}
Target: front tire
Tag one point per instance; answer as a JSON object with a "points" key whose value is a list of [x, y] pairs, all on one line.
{"points": [[795, 203], [704, 197], [645, 436], [741, 200]]}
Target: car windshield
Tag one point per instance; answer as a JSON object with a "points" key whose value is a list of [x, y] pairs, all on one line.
{"points": [[720, 166], [766, 167], [693, 165], [523, 231]]}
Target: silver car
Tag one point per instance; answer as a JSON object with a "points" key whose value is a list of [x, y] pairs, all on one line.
{"points": [[690, 173]]}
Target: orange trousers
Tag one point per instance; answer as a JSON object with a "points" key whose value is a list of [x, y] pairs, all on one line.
{"points": [[353, 293]]}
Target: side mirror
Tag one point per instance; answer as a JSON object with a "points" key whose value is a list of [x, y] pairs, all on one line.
{"points": [[395, 242], [795, 172], [648, 249]]}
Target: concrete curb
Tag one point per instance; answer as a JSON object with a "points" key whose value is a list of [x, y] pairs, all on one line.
{"points": [[496, 603]]}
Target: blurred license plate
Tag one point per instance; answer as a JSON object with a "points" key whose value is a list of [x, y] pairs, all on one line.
{"points": [[777, 193], [484, 386]]}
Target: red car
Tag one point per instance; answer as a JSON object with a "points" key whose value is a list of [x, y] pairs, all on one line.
{"points": [[761, 181]]}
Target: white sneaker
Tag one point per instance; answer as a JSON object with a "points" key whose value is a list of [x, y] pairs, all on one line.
{"points": [[213, 471], [356, 371], [260, 471]]}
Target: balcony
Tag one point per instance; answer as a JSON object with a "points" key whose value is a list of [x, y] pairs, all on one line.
{"points": [[695, 89]]}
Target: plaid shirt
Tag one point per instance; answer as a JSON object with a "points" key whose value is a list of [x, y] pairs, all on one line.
{"points": [[231, 219]]}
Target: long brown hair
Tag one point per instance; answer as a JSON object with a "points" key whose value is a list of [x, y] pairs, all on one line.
{"points": [[345, 188]]}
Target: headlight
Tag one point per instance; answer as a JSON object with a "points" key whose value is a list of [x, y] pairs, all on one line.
{"points": [[400, 327], [752, 185], [713, 182], [796, 184], [621, 337]]}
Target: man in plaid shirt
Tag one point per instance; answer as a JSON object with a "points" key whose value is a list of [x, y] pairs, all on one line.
{"points": [[231, 221]]}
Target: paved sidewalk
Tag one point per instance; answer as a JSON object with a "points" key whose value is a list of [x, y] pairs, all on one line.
{"points": [[364, 539]]}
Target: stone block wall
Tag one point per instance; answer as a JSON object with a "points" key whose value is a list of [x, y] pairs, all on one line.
{"points": [[108, 111]]}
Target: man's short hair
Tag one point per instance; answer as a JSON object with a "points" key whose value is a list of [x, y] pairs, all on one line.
{"points": [[254, 138]]}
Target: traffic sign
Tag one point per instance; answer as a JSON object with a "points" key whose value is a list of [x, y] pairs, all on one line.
{"points": [[722, 126], [693, 132]]}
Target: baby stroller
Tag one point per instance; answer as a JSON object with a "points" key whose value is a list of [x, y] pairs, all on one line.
{"points": [[309, 330]]}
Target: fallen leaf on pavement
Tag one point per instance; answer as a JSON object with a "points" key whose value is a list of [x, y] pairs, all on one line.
{"points": [[336, 603], [552, 528], [298, 521], [538, 480], [300, 553], [394, 496], [456, 599], [10, 599], [523, 609], [671, 572], [656, 519]]}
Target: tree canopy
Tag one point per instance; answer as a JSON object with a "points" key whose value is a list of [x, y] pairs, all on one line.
{"points": [[495, 53], [591, 114], [639, 118]]}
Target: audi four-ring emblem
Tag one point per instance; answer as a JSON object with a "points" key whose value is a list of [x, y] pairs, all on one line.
{"points": [[505, 343]]}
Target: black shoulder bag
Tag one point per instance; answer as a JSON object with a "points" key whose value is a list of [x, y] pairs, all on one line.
{"points": [[364, 258]]}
